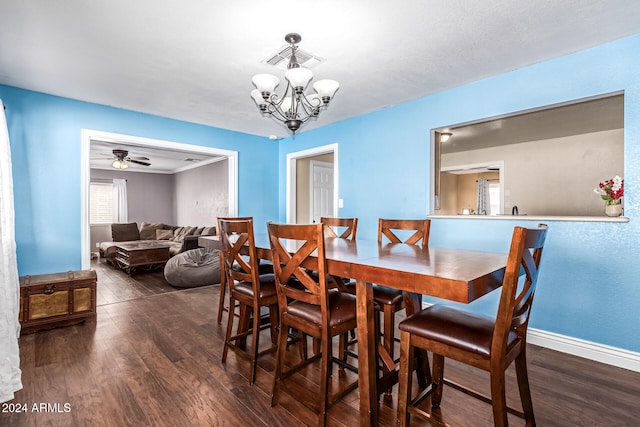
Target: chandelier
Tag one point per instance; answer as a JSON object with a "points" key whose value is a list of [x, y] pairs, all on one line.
{"points": [[294, 107]]}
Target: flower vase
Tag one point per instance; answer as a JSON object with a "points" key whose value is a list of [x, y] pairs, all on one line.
{"points": [[613, 210]]}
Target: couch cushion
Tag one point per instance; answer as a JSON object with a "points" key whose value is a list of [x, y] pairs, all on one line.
{"points": [[180, 233], [125, 232], [209, 231], [108, 249], [198, 231], [177, 234], [163, 234], [148, 230]]}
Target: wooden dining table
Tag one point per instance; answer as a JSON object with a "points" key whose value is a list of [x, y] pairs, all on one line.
{"points": [[452, 274]]}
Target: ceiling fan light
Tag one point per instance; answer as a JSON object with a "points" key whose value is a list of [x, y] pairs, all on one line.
{"points": [[120, 164], [265, 83], [326, 88], [299, 78]]}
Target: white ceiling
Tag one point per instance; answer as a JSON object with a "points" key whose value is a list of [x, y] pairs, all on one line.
{"points": [[193, 60], [162, 160]]}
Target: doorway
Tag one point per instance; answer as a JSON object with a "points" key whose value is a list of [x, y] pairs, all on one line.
{"points": [[92, 135], [300, 190]]}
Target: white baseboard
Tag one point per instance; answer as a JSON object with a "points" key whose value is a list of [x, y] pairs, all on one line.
{"points": [[589, 350]]}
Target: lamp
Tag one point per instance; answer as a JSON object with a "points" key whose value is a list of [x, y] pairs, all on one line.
{"points": [[444, 136], [294, 107], [120, 164]]}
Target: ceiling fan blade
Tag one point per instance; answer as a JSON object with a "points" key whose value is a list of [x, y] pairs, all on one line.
{"points": [[139, 158], [139, 162]]}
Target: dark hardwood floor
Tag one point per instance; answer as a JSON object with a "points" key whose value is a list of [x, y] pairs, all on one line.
{"points": [[152, 358]]}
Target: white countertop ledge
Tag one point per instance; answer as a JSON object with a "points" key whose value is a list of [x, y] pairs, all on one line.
{"points": [[534, 218]]}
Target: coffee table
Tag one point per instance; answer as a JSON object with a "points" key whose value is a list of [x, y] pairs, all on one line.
{"points": [[130, 255]]}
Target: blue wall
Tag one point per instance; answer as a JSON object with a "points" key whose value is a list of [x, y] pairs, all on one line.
{"points": [[588, 289], [45, 133], [589, 286]]}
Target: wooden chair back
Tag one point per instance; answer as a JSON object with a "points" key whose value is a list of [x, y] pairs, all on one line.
{"points": [[421, 227], [239, 250], [515, 302], [299, 264], [344, 228]]}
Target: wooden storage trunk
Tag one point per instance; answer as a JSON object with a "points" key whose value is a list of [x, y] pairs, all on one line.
{"points": [[60, 299]]}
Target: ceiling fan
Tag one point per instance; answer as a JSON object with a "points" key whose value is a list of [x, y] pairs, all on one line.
{"points": [[122, 159]]}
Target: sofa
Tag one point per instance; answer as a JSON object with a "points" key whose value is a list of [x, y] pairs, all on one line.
{"points": [[180, 238]]}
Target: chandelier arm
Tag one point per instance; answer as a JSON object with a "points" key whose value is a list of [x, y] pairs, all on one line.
{"points": [[309, 107], [274, 104]]}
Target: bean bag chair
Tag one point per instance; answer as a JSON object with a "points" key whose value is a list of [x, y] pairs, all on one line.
{"points": [[192, 268]]}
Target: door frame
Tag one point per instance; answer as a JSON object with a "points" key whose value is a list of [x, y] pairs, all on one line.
{"points": [[87, 135], [291, 182]]}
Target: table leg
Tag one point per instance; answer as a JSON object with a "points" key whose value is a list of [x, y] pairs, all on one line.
{"points": [[367, 355]]}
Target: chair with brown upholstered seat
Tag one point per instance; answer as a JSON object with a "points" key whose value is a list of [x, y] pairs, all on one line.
{"points": [[249, 288], [487, 343], [308, 304], [391, 301]]}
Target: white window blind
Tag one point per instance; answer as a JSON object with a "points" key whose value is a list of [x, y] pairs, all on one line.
{"points": [[101, 203]]}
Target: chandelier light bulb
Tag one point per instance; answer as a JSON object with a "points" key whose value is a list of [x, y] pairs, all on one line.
{"points": [[265, 83], [326, 89], [260, 101], [286, 106], [299, 78]]}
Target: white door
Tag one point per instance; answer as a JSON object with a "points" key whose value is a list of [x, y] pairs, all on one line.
{"points": [[321, 190]]}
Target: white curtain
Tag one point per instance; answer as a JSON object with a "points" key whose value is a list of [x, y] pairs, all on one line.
{"points": [[120, 210], [484, 203], [10, 373]]}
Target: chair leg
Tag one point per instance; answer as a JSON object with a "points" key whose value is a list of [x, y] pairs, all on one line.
{"points": [[342, 348], [244, 320], [523, 386], [255, 342], [325, 348], [230, 317], [438, 380], [389, 327], [302, 343], [274, 320], [498, 398], [280, 356], [404, 379], [388, 336], [223, 289]]}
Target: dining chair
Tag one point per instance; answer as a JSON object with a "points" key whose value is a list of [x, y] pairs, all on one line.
{"points": [[264, 267], [307, 303], [250, 289], [484, 342], [344, 228], [392, 299]]}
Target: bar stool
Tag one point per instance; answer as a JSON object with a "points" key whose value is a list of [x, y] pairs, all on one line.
{"points": [[316, 309], [486, 343], [249, 288]]}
